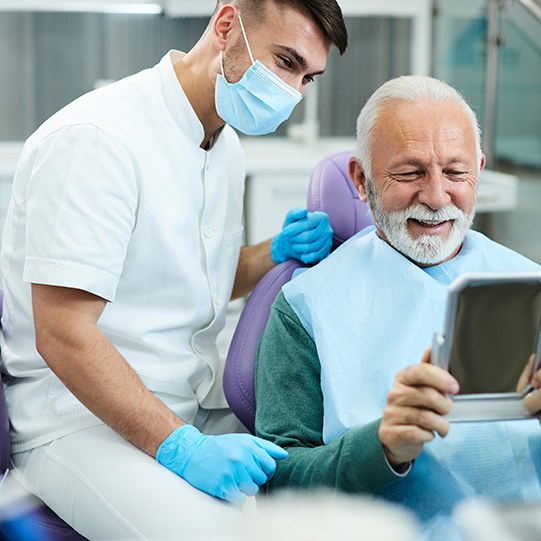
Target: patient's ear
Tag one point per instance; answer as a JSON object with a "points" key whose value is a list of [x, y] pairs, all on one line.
{"points": [[483, 163], [357, 176]]}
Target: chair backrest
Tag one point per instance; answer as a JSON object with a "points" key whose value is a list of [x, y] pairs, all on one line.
{"points": [[330, 190]]}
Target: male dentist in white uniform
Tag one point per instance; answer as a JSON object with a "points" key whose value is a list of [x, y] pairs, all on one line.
{"points": [[121, 249]]}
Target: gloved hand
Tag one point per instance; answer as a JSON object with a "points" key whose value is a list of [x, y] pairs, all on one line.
{"points": [[229, 467], [306, 236]]}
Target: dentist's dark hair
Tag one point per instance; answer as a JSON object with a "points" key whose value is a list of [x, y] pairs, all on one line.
{"points": [[325, 13]]}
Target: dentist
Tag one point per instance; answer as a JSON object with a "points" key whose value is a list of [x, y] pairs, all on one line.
{"points": [[121, 249]]}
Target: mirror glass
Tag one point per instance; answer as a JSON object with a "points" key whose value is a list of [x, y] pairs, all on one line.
{"points": [[496, 331]]}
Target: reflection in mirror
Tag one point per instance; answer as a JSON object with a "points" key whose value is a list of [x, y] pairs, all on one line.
{"points": [[496, 331]]}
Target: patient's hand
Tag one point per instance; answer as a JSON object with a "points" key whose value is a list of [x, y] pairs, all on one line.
{"points": [[532, 400], [416, 404]]}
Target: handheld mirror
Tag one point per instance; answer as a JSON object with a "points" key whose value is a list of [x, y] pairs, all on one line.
{"points": [[492, 329]]}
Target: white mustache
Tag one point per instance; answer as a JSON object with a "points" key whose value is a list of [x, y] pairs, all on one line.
{"points": [[422, 213]]}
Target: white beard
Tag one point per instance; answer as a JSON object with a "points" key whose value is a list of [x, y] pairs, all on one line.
{"points": [[426, 249]]}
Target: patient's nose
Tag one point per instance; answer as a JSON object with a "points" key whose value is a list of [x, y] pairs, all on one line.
{"points": [[435, 192]]}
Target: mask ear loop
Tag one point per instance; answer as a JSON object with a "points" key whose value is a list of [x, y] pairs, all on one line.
{"points": [[247, 47], [222, 64], [246, 39]]}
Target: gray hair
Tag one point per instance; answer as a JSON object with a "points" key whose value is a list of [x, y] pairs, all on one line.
{"points": [[411, 88]]}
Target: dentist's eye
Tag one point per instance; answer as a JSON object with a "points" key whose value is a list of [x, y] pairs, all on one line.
{"points": [[286, 63]]}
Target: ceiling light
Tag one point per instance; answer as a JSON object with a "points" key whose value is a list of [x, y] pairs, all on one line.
{"points": [[102, 6]]}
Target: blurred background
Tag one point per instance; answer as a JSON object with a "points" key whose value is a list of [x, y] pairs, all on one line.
{"points": [[52, 51]]}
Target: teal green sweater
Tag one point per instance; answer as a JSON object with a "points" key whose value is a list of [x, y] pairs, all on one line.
{"points": [[290, 414]]}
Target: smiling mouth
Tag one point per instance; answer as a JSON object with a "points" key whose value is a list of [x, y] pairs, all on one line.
{"points": [[430, 223]]}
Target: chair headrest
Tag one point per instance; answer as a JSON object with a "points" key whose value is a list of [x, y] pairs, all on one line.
{"points": [[332, 191]]}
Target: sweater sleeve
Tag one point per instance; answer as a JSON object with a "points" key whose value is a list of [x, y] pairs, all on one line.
{"points": [[290, 413]]}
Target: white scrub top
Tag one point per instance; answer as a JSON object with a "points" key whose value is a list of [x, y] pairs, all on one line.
{"points": [[114, 196]]}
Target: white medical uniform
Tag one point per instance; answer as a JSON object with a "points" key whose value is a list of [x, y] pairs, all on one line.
{"points": [[113, 195]]}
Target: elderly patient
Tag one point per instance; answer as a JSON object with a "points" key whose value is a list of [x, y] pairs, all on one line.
{"points": [[339, 383]]}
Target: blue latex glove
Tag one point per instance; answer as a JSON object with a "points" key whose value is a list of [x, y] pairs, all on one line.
{"points": [[229, 467], [306, 236]]}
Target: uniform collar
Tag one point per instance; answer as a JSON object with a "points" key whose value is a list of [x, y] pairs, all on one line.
{"points": [[177, 102]]}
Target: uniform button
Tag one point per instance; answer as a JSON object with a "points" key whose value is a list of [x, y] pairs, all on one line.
{"points": [[208, 231], [217, 299]]}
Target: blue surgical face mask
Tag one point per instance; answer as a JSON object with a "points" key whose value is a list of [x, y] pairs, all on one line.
{"points": [[259, 102]]}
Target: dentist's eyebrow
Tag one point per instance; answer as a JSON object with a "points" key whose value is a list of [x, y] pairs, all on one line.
{"points": [[301, 61]]}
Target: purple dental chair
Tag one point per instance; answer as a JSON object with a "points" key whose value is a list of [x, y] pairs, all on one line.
{"points": [[31, 523], [329, 190]]}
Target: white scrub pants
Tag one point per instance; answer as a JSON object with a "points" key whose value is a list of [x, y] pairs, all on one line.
{"points": [[109, 490]]}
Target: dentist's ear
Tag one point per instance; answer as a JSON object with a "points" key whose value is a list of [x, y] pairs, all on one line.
{"points": [[222, 25], [357, 176]]}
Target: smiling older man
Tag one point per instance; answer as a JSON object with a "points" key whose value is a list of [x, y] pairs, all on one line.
{"points": [[338, 383]]}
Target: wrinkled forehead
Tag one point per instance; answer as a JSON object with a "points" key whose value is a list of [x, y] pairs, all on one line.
{"points": [[403, 124]]}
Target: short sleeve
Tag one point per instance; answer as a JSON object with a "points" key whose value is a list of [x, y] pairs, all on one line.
{"points": [[81, 203]]}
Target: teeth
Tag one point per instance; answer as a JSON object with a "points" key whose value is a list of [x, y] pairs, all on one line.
{"points": [[430, 222]]}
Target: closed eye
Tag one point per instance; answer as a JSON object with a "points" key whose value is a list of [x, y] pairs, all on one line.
{"points": [[407, 175], [457, 175]]}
